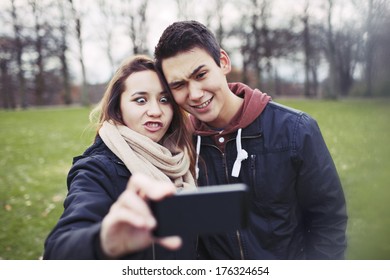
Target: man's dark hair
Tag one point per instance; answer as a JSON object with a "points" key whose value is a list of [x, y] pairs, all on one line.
{"points": [[183, 36]]}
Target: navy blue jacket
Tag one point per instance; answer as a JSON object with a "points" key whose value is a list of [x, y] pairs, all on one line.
{"points": [[95, 181], [297, 203]]}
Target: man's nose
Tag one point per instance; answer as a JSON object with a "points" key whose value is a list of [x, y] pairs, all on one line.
{"points": [[195, 91]]}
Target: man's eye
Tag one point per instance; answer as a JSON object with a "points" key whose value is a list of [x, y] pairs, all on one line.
{"points": [[200, 75], [176, 86]]}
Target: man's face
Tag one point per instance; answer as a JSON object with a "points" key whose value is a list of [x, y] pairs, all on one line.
{"points": [[199, 85]]}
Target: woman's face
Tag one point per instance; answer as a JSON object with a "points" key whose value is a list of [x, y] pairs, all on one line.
{"points": [[145, 105]]}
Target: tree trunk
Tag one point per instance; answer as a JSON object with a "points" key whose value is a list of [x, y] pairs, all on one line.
{"points": [[332, 90], [84, 88], [369, 53], [19, 55], [39, 76], [67, 96]]}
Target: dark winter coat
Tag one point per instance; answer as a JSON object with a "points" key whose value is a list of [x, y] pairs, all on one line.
{"points": [[95, 181], [297, 203]]}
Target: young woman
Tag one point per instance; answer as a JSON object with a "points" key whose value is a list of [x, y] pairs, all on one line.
{"points": [[141, 152]]}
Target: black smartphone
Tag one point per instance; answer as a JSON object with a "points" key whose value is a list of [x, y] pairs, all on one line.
{"points": [[206, 210]]}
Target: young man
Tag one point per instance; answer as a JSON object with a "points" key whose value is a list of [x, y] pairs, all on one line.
{"points": [[297, 203]]}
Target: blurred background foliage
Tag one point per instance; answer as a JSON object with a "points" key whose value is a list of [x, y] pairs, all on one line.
{"points": [[64, 51]]}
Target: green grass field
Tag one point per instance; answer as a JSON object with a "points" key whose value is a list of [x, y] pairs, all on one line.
{"points": [[37, 147]]}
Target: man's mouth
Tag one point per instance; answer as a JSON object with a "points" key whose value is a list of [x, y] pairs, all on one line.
{"points": [[203, 105]]}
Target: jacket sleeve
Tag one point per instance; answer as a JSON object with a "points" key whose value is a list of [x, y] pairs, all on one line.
{"points": [[320, 194], [90, 195], [92, 189]]}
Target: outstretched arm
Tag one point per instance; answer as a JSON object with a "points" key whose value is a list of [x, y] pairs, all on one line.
{"points": [[128, 226]]}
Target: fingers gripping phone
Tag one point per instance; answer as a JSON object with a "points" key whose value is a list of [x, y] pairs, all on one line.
{"points": [[213, 209]]}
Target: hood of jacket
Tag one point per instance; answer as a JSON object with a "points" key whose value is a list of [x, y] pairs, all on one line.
{"points": [[254, 104]]}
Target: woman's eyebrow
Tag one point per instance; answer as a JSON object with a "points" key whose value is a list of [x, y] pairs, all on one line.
{"points": [[139, 93]]}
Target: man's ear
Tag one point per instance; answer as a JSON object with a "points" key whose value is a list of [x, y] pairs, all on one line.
{"points": [[225, 63]]}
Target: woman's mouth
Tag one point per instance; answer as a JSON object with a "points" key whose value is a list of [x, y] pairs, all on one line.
{"points": [[153, 126]]}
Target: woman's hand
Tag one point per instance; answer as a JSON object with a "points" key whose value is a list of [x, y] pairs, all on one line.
{"points": [[127, 228]]}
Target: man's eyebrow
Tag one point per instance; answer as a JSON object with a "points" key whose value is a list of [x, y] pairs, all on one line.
{"points": [[196, 70], [193, 73]]}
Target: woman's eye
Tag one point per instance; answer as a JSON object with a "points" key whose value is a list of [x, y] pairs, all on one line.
{"points": [[140, 100], [165, 99]]}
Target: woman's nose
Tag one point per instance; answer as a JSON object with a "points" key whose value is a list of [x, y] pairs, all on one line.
{"points": [[154, 109]]}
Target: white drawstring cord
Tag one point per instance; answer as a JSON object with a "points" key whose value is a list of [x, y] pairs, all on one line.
{"points": [[241, 155], [198, 141]]}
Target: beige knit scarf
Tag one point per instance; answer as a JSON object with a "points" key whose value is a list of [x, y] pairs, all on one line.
{"points": [[140, 154]]}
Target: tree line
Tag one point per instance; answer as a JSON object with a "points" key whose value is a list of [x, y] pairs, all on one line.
{"points": [[337, 48]]}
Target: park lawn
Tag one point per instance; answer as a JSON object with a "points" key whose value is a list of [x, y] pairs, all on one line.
{"points": [[37, 147], [357, 133]]}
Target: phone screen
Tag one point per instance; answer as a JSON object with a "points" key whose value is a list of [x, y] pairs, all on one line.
{"points": [[213, 209]]}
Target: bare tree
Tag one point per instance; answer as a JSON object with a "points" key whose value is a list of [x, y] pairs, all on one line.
{"points": [[262, 45], [109, 22], [62, 50], [185, 9], [216, 13], [376, 14], [32, 28], [79, 35], [220, 34], [6, 86], [310, 64], [19, 49], [382, 73], [330, 51], [347, 57], [369, 52], [135, 18], [350, 44], [246, 58], [39, 49], [252, 49]]}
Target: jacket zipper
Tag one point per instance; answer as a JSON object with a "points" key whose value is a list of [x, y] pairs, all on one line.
{"points": [[238, 234], [253, 168], [224, 164]]}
